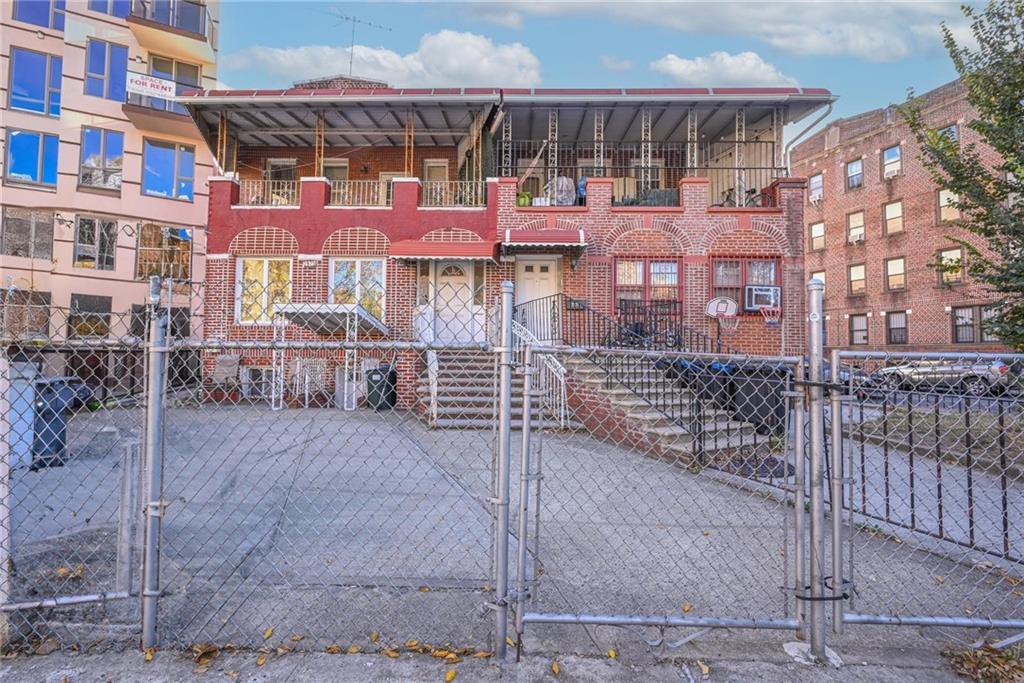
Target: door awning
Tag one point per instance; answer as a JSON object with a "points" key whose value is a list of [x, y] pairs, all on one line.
{"points": [[331, 318], [544, 238], [444, 250]]}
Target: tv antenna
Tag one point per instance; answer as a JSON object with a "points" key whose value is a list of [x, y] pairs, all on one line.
{"points": [[352, 19]]}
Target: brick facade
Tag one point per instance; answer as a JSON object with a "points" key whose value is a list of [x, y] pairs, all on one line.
{"points": [[929, 303]]}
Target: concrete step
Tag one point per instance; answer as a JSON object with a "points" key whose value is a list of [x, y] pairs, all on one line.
{"points": [[488, 423], [688, 447]]}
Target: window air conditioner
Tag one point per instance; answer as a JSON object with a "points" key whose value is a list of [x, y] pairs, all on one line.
{"points": [[814, 199], [857, 239], [892, 173]]}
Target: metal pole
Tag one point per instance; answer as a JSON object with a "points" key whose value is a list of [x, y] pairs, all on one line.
{"points": [[799, 496], [836, 482], [501, 501], [815, 290], [525, 476], [153, 457]]}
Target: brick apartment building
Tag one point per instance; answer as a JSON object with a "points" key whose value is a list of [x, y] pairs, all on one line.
{"points": [[372, 211], [876, 226], [102, 187]]}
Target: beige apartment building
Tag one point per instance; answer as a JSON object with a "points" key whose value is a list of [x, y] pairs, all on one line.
{"points": [[103, 182]]}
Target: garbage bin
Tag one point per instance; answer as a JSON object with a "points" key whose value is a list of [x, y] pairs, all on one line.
{"points": [[380, 387], [713, 382], [54, 398], [758, 396]]}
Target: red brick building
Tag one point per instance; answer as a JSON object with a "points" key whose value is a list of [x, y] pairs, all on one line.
{"points": [[876, 226], [397, 213]]}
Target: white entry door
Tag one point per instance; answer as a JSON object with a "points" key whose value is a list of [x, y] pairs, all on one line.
{"points": [[456, 318], [536, 286]]}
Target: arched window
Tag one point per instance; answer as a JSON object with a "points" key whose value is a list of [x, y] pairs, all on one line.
{"points": [[453, 271]]}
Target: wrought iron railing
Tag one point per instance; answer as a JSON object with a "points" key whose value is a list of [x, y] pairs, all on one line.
{"points": [[360, 193], [268, 193], [185, 15], [551, 375], [738, 172], [453, 193]]}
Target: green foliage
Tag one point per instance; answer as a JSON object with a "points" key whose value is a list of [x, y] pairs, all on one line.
{"points": [[991, 197]]}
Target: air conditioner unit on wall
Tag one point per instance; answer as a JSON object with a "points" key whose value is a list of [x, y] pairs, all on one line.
{"points": [[856, 239], [891, 173], [814, 199]]}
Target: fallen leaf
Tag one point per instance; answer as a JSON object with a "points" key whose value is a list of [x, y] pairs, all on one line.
{"points": [[261, 660], [47, 646], [612, 654], [411, 644], [509, 641], [282, 649], [374, 636], [450, 676], [453, 658], [204, 653], [296, 639], [705, 670], [332, 649], [940, 579], [149, 652], [482, 655], [424, 589], [440, 654], [231, 674], [354, 649], [391, 653], [687, 607], [707, 533], [199, 669], [269, 632], [79, 572], [555, 669], [62, 572]]}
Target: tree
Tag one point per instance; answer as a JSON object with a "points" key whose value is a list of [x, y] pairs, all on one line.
{"points": [[990, 197]]}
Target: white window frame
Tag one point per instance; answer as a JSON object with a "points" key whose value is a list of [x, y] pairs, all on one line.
{"points": [[359, 261], [266, 287], [895, 166]]}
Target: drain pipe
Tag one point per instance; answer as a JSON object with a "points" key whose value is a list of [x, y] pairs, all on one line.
{"points": [[789, 145]]}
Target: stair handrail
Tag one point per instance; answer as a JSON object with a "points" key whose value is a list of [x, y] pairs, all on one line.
{"points": [[552, 375]]}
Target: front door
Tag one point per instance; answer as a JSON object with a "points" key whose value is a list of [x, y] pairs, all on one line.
{"points": [[455, 315], [536, 287]]}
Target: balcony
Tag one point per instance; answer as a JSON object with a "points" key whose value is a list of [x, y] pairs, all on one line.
{"points": [[360, 193], [453, 193], [160, 115], [182, 29], [644, 174], [268, 193]]}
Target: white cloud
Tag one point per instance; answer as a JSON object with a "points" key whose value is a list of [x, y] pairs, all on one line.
{"points": [[615, 64], [873, 31], [445, 58], [721, 69]]}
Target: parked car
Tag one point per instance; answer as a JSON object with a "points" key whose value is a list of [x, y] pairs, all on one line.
{"points": [[974, 379]]}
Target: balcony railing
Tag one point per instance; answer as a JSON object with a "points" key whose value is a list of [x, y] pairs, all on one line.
{"points": [[185, 15], [644, 174], [360, 193], [159, 103], [268, 193], [453, 193]]}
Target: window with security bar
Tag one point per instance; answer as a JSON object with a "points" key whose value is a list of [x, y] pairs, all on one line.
{"points": [[165, 251], [645, 282], [27, 233], [26, 314], [752, 282], [95, 242]]}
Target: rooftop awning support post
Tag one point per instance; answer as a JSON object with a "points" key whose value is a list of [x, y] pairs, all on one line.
{"points": [[645, 150], [552, 166], [778, 121], [318, 146], [599, 143], [739, 162], [410, 144], [691, 141], [506, 145], [222, 143]]}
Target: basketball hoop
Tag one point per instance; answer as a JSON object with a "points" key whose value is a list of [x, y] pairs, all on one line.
{"points": [[727, 324], [772, 316]]}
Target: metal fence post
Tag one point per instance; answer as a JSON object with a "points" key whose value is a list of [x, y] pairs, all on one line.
{"points": [[815, 291], [836, 494], [153, 459], [799, 496], [525, 477], [6, 531], [501, 501]]}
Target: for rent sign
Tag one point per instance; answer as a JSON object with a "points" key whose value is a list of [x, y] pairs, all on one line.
{"points": [[150, 86]]}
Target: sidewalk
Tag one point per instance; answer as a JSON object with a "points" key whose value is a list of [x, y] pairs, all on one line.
{"points": [[727, 657]]}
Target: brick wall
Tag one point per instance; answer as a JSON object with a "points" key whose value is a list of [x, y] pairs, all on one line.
{"points": [[864, 137]]}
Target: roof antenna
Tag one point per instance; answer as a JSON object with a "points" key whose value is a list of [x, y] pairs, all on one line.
{"points": [[355, 20]]}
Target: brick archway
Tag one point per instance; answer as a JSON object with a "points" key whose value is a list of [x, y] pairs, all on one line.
{"points": [[356, 242], [264, 241]]}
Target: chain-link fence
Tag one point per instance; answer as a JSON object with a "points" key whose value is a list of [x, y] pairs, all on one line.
{"points": [[455, 476]]}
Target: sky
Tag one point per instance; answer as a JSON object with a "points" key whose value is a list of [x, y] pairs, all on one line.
{"points": [[867, 53]]}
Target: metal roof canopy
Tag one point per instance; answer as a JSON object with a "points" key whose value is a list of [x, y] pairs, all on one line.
{"points": [[331, 318], [364, 117]]}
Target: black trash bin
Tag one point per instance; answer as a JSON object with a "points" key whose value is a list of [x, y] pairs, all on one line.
{"points": [[758, 396], [713, 382], [54, 398], [380, 387]]}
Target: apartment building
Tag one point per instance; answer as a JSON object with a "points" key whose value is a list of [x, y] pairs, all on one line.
{"points": [[104, 182], [878, 228], [357, 209]]}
